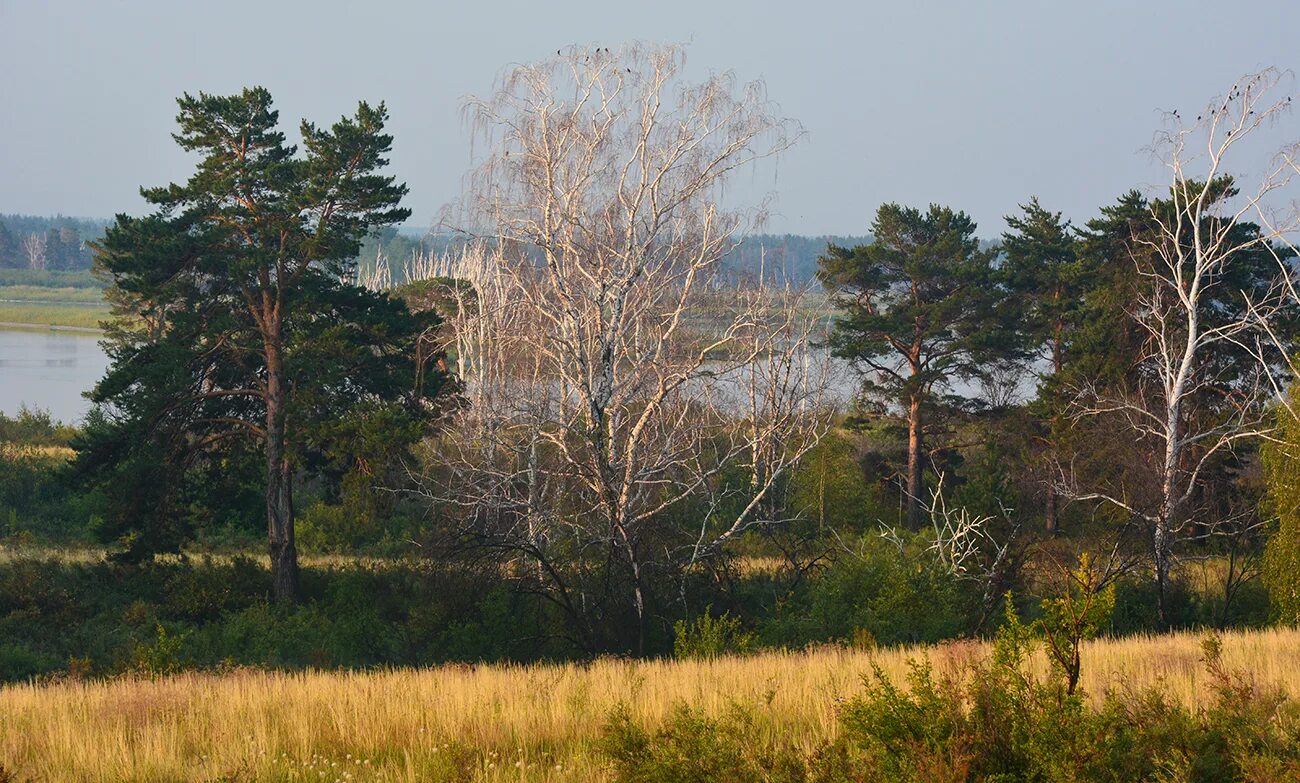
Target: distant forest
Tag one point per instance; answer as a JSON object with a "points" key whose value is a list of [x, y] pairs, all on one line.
{"points": [[47, 243], [783, 256], [63, 243]]}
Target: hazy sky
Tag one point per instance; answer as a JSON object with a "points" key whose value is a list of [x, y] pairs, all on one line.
{"points": [[973, 104]]}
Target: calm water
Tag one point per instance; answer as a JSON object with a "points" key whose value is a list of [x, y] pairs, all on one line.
{"points": [[49, 369]]}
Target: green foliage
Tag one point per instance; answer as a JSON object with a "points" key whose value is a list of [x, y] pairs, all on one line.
{"points": [[159, 657], [877, 592], [988, 721], [830, 490], [923, 268], [708, 637], [1077, 614], [66, 240], [239, 332], [105, 617], [34, 427], [1281, 572], [691, 747], [1042, 269], [920, 309], [45, 278]]}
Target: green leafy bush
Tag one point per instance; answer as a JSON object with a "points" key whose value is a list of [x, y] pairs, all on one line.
{"points": [[877, 592], [709, 637], [1282, 556], [691, 747]]}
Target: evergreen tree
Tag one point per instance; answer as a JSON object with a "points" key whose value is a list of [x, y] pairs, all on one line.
{"points": [[1043, 271], [240, 324], [1109, 340], [10, 252], [919, 310]]}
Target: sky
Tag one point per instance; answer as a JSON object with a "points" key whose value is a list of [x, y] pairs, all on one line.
{"points": [[974, 105]]}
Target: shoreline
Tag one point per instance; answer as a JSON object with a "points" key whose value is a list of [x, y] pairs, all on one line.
{"points": [[50, 327]]}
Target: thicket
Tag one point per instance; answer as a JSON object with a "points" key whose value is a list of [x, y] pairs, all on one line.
{"points": [[385, 588]]}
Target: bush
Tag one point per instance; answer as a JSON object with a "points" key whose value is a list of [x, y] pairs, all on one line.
{"points": [[693, 748], [878, 593], [1000, 722], [710, 637], [213, 612], [1281, 570]]}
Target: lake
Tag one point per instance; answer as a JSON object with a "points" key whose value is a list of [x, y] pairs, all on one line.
{"points": [[49, 369]]}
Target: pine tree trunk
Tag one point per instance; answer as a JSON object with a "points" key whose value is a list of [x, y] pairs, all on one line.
{"points": [[279, 483], [914, 466], [1052, 523], [1051, 512]]}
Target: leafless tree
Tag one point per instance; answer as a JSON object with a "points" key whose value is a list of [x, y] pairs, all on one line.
{"points": [[34, 247], [965, 546], [611, 378], [1190, 405]]}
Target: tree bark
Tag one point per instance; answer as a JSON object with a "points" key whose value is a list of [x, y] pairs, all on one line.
{"points": [[1052, 522], [914, 466], [279, 482], [1161, 556]]}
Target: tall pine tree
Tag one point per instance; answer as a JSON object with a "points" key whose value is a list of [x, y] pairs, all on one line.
{"points": [[1042, 269], [240, 324], [919, 311]]}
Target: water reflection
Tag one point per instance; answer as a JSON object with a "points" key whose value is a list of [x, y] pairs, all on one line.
{"points": [[49, 369]]}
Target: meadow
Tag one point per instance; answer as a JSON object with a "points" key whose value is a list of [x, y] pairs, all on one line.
{"points": [[47, 298], [59, 314], [509, 723]]}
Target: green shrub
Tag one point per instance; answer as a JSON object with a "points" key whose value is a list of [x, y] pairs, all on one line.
{"points": [[1281, 572], [878, 593], [161, 656], [691, 747], [1001, 723], [18, 662], [709, 637]]}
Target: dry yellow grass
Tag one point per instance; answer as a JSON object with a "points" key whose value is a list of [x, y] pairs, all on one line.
{"points": [[515, 723]]}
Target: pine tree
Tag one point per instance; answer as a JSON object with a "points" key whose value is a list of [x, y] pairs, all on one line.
{"points": [[240, 323], [920, 308], [1042, 269], [10, 252]]}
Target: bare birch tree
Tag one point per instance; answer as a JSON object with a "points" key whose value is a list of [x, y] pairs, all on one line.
{"points": [[611, 379], [34, 247], [1214, 266]]}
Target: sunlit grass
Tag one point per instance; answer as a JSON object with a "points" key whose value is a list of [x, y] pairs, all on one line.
{"points": [[499, 722]]}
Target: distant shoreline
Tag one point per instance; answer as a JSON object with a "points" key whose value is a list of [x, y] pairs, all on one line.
{"points": [[49, 327]]}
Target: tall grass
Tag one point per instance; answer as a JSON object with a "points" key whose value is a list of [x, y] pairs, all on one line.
{"points": [[83, 278], [500, 723], [82, 316], [41, 293]]}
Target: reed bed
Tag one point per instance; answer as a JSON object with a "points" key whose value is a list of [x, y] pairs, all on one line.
{"points": [[499, 722]]}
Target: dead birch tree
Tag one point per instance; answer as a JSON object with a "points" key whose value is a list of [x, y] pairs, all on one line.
{"points": [[1214, 269], [606, 364], [34, 247]]}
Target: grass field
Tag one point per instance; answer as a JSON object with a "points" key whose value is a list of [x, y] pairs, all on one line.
{"points": [[55, 299], [37, 313], [497, 723], [56, 295]]}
